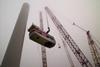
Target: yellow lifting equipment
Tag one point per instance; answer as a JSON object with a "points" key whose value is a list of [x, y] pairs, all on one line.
{"points": [[41, 37]]}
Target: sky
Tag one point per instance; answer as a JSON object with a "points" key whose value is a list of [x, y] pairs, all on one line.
{"points": [[83, 12]]}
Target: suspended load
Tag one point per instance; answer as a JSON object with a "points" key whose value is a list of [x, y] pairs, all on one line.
{"points": [[41, 37]]}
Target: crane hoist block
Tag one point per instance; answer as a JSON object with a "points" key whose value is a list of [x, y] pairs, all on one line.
{"points": [[41, 37]]}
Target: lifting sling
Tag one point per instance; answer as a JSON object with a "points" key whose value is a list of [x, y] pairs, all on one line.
{"points": [[41, 37]]}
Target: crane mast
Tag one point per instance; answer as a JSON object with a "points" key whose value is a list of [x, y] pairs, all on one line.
{"points": [[43, 49], [94, 51], [92, 45], [68, 39]]}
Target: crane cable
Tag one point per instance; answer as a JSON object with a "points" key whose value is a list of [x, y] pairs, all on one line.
{"points": [[47, 21], [79, 27], [49, 27], [98, 46]]}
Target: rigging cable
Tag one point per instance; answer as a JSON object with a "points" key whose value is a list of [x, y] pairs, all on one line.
{"points": [[47, 20], [49, 28], [47, 23]]}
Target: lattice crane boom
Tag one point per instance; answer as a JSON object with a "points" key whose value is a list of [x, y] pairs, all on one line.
{"points": [[92, 44], [43, 49], [94, 51], [71, 43]]}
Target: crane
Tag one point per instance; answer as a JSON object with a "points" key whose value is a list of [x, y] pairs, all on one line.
{"points": [[43, 49], [68, 39], [92, 44]]}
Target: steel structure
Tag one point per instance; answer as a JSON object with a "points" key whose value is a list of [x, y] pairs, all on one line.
{"points": [[94, 51], [68, 39], [43, 49]]}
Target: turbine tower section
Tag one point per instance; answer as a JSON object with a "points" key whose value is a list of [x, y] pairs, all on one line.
{"points": [[13, 53]]}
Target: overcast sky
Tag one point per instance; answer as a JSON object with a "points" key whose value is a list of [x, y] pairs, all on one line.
{"points": [[85, 13]]}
